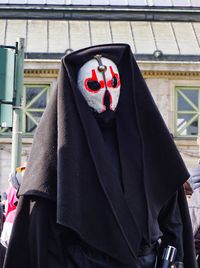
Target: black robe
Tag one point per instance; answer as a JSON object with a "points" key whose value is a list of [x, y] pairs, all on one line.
{"points": [[2, 254], [70, 170]]}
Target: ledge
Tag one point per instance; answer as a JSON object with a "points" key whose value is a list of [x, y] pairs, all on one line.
{"points": [[53, 73], [113, 13], [4, 140], [138, 57], [186, 142]]}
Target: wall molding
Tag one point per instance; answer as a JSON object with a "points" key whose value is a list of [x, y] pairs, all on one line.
{"points": [[53, 73], [88, 12], [172, 74]]}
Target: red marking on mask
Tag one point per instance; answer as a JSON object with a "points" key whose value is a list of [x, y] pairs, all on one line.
{"points": [[101, 83], [110, 82], [93, 78]]}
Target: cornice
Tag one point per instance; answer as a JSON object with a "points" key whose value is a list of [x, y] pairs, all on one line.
{"points": [[88, 12], [53, 73], [171, 74], [43, 73]]}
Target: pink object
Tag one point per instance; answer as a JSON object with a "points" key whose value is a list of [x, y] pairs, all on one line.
{"points": [[11, 216], [11, 199]]}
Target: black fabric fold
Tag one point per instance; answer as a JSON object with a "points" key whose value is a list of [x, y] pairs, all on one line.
{"points": [[69, 163]]}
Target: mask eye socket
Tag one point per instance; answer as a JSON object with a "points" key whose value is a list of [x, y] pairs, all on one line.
{"points": [[93, 85], [114, 81]]}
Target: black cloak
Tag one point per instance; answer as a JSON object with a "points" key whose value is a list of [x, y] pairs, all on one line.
{"points": [[70, 167]]}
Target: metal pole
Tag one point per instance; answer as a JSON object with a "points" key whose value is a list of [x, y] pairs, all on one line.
{"points": [[17, 111]]}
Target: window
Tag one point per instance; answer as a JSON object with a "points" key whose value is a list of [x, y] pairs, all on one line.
{"points": [[35, 98], [35, 101], [188, 111]]}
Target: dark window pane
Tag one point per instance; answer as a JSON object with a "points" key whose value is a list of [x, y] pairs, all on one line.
{"points": [[192, 129], [31, 93], [183, 105], [192, 94], [5, 130], [30, 124], [41, 102]]}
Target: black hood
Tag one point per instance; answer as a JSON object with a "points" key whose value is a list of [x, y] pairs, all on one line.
{"points": [[69, 161]]}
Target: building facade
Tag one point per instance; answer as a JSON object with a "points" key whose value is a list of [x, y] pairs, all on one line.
{"points": [[164, 37]]}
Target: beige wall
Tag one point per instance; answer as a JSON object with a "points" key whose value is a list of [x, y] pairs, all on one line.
{"points": [[163, 92], [161, 85]]}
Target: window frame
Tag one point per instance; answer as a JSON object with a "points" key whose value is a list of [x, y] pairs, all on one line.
{"points": [[196, 113], [26, 109], [48, 81]]}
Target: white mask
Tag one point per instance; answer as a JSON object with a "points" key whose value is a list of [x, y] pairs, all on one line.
{"points": [[98, 78]]}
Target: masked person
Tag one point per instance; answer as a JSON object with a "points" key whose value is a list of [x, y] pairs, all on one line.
{"points": [[104, 180]]}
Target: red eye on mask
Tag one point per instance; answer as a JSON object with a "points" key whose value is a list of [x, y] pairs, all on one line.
{"points": [[92, 84], [115, 81]]}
